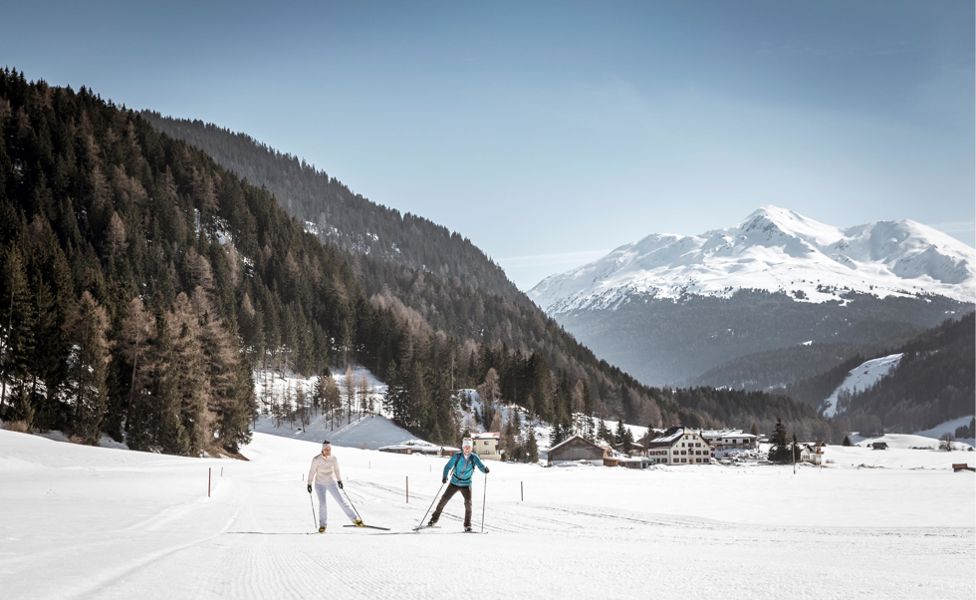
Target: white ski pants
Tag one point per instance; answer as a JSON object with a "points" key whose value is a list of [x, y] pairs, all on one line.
{"points": [[333, 488]]}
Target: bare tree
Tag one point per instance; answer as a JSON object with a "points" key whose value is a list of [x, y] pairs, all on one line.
{"points": [[349, 385], [365, 403]]}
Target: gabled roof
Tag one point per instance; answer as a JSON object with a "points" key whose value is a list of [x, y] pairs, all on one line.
{"points": [[575, 437], [726, 433], [488, 435], [672, 435]]}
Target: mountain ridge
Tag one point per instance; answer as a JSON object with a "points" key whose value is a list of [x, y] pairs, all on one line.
{"points": [[773, 250]]}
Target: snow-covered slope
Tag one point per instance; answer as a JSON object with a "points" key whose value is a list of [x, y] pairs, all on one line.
{"points": [[861, 378], [370, 429], [774, 250], [949, 426]]}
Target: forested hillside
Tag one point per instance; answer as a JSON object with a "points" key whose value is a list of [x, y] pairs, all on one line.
{"points": [[934, 382], [440, 277], [331, 210], [141, 284]]}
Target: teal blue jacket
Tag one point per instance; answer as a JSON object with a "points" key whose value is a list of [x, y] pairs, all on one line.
{"points": [[463, 469]]}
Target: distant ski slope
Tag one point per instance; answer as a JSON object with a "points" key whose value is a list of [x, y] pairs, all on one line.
{"points": [[861, 378]]}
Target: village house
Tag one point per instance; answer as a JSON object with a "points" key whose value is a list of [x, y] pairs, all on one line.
{"points": [[485, 445], [419, 447], [812, 453], [630, 449], [576, 449], [730, 439], [679, 446]]}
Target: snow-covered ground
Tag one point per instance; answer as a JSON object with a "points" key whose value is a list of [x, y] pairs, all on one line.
{"points": [[861, 378], [106, 523], [949, 426], [909, 441]]}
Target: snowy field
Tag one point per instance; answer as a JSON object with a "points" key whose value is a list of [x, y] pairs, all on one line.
{"points": [[100, 523]]}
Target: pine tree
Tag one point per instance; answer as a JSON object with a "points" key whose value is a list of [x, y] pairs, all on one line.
{"points": [[16, 325], [780, 451], [193, 386], [135, 345], [86, 391], [622, 434], [230, 398], [557, 435], [531, 446]]}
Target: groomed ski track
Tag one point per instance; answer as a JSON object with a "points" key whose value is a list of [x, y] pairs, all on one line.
{"points": [[94, 523]]}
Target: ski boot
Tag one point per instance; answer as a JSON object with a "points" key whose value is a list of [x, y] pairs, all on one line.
{"points": [[467, 529], [359, 523], [322, 529]]}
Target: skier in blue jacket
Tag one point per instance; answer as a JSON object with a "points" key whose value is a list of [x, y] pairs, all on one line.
{"points": [[461, 466]]}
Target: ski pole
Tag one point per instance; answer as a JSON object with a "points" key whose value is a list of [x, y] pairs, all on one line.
{"points": [[483, 498], [421, 524], [348, 499], [312, 504]]}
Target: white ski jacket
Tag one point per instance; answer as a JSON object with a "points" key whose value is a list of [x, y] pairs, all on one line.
{"points": [[324, 470]]}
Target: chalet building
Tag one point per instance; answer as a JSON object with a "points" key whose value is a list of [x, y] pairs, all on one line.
{"points": [[679, 446], [577, 448], [630, 449], [812, 453], [419, 447], [485, 445], [730, 439]]}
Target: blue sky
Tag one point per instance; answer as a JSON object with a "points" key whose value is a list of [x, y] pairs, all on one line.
{"points": [[550, 132]]}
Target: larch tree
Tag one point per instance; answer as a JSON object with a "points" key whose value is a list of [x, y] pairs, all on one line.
{"points": [[86, 390]]}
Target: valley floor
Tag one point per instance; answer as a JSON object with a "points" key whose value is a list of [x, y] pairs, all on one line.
{"points": [[92, 522]]}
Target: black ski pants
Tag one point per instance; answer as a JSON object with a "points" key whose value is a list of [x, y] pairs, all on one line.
{"points": [[451, 490]]}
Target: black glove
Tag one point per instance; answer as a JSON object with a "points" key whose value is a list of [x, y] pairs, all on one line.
{"points": [[340, 485], [443, 480], [310, 488], [487, 470]]}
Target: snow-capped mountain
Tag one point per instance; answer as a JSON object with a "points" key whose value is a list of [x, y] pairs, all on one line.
{"points": [[776, 298], [773, 250]]}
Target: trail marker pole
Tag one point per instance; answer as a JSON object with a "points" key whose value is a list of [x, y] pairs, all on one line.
{"points": [[522, 488]]}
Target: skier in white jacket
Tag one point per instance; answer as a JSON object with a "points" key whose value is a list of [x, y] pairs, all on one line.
{"points": [[324, 475]]}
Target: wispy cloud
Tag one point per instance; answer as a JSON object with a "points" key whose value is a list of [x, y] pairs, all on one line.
{"points": [[557, 259]]}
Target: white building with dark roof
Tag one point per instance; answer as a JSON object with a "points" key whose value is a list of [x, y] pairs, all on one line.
{"points": [[485, 444], [679, 446], [730, 439]]}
